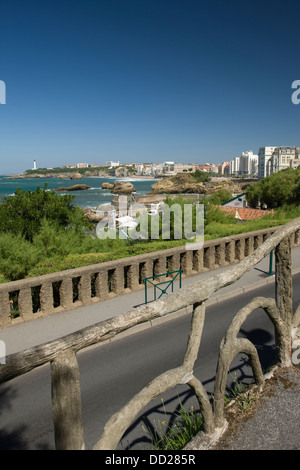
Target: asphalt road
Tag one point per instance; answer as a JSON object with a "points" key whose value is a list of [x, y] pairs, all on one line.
{"points": [[112, 373]]}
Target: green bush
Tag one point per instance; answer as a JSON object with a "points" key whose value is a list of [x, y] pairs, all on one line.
{"points": [[24, 213], [17, 257], [220, 196], [276, 190]]}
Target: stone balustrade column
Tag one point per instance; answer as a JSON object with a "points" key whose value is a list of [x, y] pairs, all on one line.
{"points": [[198, 265], [85, 289], [66, 293], [146, 270], [220, 254], [230, 252], [249, 245], [25, 303], [133, 277], [187, 262], [174, 263], [240, 249], [117, 284], [101, 285], [46, 298], [209, 257], [160, 267], [5, 315]]}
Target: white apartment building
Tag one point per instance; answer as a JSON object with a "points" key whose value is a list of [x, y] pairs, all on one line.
{"points": [[248, 163], [112, 164], [296, 162], [284, 157], [264, 161], [234, 166]]}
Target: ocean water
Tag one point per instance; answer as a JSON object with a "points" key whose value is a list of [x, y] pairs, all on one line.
{"points": [[93, 197]]}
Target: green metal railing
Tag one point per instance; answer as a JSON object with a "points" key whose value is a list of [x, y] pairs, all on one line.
{"points": [[270, 273], [169, 282]]}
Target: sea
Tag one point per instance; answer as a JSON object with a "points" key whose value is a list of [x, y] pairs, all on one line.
{"points": [[93, 197]]}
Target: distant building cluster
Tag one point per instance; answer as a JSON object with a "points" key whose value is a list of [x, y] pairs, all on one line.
{"points": [[274, 159], [163, 169], [269, 160]]}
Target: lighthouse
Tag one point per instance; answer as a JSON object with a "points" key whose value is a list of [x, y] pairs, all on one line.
{"points": [[34, 165]]}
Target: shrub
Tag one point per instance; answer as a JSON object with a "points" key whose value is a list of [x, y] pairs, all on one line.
{"points": [[24, 213], [17, 257], [276, 190]]}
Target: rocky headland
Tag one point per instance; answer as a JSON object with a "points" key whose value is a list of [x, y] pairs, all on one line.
{"points": [[188, 184]]}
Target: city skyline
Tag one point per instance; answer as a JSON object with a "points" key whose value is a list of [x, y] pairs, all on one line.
{"points": [[145, 81], [269, 160]]}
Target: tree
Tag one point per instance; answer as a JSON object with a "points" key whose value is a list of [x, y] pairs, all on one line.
{"points": [[24, 213], [220, 196], [276, 190], [200, 176]]}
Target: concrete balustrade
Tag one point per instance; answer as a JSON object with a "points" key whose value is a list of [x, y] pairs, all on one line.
{"points": [[50, 294]]}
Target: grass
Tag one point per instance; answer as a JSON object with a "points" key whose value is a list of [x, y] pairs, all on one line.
{"points": [[189, 423], [242, 395], [174, 437]]}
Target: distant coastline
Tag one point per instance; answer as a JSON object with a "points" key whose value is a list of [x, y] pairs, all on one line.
{"points": [[71, 176]]}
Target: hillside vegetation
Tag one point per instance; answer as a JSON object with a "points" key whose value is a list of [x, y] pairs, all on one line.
{"points": [[43, 232]]}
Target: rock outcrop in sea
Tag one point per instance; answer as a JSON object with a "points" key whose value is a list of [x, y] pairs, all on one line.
{"points": [[75, 187], [119, 187]]}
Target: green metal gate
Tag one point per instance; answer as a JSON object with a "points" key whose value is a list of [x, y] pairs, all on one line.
{"points": [[168, 283]]}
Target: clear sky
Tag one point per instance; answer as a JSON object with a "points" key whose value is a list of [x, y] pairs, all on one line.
{"points": [[146, 80]]}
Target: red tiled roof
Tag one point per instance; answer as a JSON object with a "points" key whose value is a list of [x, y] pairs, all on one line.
{"points": [[245, 213]]}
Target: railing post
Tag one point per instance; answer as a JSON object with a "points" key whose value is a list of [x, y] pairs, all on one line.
{"points": [[46, 298], [117, 284], [66, 293], [160, 266], [66, 402], [174, 264], [25, 303], [209, 257], [101, 285], [5, 314], [220, 254], [283, 295], [240, 248], [133, 277], [230, 252], [85, 293]]}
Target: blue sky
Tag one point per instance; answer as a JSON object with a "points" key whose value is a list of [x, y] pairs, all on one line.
{"points": [[146, 80]]}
